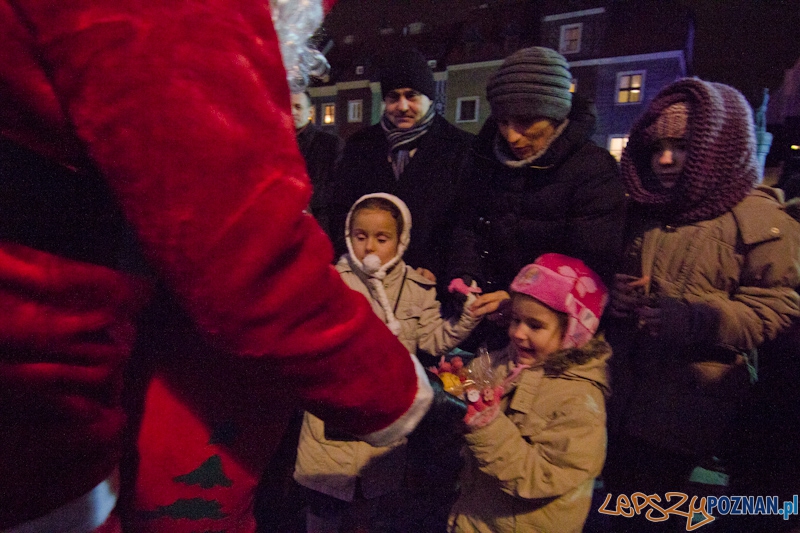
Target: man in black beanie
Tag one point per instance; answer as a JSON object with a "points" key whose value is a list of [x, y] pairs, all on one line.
{"points": [[538, 184], [412, 153]]}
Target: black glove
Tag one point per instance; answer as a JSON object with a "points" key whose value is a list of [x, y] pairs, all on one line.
{"points": [[624, 297], [433, 447], [677, 322]]}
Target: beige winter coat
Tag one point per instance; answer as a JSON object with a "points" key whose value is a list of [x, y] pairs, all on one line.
{"points": [[532, 469], [741, 268], [332, 466]]}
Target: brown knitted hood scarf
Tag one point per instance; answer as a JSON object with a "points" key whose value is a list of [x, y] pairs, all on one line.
{"points": [[720, 167]]}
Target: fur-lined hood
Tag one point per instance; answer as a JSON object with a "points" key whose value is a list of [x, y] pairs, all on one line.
{"points": [[587, 363]]}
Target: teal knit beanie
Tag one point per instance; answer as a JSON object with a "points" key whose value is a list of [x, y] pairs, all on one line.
{"points": [[532, 82]]}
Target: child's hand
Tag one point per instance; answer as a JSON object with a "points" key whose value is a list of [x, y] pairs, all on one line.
{"points": [[494, 302], [485, 410]]}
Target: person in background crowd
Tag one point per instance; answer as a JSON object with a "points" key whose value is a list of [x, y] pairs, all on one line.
{"points": [[535, 448], [414, 154], [140, 126], [353, 482], [538, 184], [708, 275], [321, 151]]}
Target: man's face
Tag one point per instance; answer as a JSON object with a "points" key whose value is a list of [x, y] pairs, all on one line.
{"points": [[526, 137], [301, 110], [405, 107]]}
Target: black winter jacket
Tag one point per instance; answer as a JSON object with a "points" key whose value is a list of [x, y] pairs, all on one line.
{"points": [[570, 201], [428, 186], [321, 151]]}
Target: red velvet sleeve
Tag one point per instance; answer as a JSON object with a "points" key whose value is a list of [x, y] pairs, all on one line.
{"points": [[185, 108]]}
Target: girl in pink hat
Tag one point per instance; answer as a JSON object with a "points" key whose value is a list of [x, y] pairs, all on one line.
{"points": [[538, 441]]}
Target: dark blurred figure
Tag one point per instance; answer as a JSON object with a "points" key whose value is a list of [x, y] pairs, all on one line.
{"points": [[321, 151]]}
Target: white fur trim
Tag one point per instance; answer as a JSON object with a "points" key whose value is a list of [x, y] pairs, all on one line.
{"points": [[405, 424], [82, 515]]}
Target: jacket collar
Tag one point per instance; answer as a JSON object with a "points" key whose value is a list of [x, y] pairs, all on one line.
{"points": [[581, 125]]}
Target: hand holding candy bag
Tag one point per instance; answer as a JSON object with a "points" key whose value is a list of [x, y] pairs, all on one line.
{"points": [[482, 391]]}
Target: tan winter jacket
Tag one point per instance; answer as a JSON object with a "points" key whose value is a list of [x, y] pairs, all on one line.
{"points": [[742, 267], [332, 466], [532, 469]]}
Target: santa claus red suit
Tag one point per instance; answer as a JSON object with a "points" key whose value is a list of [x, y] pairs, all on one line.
{"points": [[165, 128]]}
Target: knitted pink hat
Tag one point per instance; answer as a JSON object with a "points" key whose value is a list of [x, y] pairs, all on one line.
{"points": [[567, 285]]}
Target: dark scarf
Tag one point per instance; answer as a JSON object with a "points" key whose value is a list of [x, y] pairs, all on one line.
{"points": [[402, 141], [721, 165]]}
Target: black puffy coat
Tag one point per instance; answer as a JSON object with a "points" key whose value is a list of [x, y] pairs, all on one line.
{"points": [[569, 201], [428, 185], [321, 151]]}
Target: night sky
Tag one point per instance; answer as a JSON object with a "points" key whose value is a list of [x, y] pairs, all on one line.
{"points": [[746, 43]]}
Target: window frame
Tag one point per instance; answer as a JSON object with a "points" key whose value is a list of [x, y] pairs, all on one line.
{"points": [[618, 88], [463, 99], [614, 136], [355, 111], [562, 40], [324, 115]]}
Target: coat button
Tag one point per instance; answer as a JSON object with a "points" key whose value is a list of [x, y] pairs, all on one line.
{"points": [[775, 231]]}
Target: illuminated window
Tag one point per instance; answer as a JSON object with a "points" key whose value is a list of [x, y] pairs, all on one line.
{"points": [[359, 70], [629, 87], [570, 42], [573, 85], [312, 114], [328, 114], [355, 110], [616, 145], [467, 109]]}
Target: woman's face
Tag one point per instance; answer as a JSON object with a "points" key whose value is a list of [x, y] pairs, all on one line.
{"points": [[667, 160], [526, 137]]}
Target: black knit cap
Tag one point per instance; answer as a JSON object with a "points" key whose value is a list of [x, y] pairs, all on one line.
{"points": [[532, 82], [410, 69]]}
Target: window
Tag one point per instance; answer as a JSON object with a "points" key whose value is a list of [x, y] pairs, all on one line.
{"points": [[312, 114], [328, 114], [573, 85], [432, 63], [354, 110], [467, 109], [629, 87], [359, 70], [570, 42], [616, 144]]}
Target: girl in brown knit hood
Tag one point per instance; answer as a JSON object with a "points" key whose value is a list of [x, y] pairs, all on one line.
{"points": [[715, 125], [708, 275]]}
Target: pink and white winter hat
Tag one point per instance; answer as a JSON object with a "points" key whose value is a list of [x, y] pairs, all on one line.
{"points": [[567, 285]]}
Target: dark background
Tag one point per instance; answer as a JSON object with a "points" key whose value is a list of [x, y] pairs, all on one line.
{"points": [[746, 43]]}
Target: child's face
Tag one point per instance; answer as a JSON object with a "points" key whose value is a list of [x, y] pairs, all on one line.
{"points": [[667, 160], [535, 330], [374, 231]]}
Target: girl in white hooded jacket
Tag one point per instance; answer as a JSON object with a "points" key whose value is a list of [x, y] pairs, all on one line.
{"points": [[351, 479]]}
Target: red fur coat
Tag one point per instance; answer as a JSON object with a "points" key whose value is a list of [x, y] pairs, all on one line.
{"points": [[183, 107]]}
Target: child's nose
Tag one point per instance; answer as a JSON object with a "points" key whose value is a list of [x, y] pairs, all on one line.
{"points": [[666, 158]]}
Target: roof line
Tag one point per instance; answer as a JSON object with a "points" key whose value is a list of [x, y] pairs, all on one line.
{"points": [[573, 14]]}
